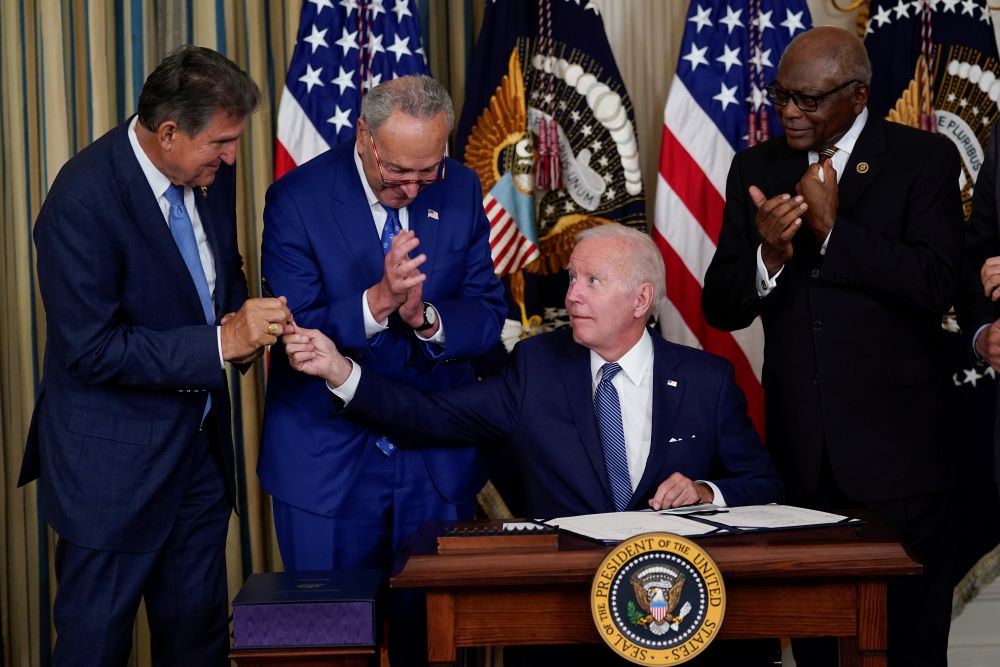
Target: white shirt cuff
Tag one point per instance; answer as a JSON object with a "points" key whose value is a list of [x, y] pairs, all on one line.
{"points": [[719, 500], [438, 337], [822, 248], [218, 341], [976, 338], [765, 283], [371, 326], [346, 391]]}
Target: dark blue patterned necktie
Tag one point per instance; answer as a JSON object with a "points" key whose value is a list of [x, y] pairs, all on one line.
{"points": [[391, 228], [389, 231], [608, 411]]}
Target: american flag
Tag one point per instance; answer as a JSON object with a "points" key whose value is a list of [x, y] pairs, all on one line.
{"points": [[729, 53], [342, 49]]}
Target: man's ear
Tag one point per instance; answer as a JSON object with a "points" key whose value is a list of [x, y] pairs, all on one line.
{"points": [[643, 301], [361, 126], [166, 133]]}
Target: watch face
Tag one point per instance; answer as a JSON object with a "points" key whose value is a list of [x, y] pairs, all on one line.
{"points": [[430, 316]]}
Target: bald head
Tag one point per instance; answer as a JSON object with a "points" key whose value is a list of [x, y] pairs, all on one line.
{"points": [[840, 48], [821, 87]]}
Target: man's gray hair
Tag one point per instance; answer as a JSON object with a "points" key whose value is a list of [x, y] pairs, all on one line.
{"points": [[417, 96], [190, 85], [643, 261]]}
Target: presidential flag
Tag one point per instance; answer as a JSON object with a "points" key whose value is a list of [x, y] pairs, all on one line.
{"points": [[934, 65], [549, 127], [717, 106], [344, 47]]}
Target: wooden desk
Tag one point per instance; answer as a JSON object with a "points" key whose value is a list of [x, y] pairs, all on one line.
{"points": [[828, 582]]}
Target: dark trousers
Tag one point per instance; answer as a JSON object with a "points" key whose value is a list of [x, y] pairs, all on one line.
{"points": [[919, 607], [393, 495], [183, 583]]}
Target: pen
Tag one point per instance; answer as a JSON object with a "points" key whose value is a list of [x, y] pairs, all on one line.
{"points": [[265, 288]]}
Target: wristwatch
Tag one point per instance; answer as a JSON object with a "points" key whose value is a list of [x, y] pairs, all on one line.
{"points": [[430, 317]]}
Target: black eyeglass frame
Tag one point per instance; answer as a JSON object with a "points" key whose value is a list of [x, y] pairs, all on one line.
{"points": [[807, 103], [393, 183]]}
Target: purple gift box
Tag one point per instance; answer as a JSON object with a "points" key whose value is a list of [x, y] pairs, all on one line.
{"points": [[306, 609]]}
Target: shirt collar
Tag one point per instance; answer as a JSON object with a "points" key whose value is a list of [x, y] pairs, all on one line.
{"points": [[634, 362], [158, 182], [369, 193], [846, 143]]}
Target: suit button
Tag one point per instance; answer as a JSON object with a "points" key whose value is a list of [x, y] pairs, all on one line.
{"points": [[818, 325], [815, 379], [814, 273]]}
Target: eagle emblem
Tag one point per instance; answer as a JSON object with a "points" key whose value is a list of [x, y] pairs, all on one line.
{"points": [[657, 590]]}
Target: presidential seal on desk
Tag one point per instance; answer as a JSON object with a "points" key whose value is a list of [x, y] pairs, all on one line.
{"points": [[658, 599]]}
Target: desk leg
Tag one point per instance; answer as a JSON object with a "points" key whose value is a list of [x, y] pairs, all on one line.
{"points": [[868, 649], [440, 629]]}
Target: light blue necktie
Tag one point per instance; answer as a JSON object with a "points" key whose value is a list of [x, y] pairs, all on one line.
{"points": [[389, 231], [183, 232], [391, 228], [608, 411]]}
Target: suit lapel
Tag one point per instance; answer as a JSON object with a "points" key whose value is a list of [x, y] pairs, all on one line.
{"points": [[866, 161], [426, 228], [353, 219], [579, 390], [211, 219], [668, 391], [140, 201]]}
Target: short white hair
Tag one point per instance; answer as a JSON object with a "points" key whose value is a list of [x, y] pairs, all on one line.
{"points": [[645, 263]]}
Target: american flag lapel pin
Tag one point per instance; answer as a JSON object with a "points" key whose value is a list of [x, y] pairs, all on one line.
{"points": [[672, 383], [432, 214]]}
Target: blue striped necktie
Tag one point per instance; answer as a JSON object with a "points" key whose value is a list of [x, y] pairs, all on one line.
{"points": [[608, 411]]}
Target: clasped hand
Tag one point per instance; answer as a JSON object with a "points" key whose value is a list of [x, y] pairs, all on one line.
{"points": [[401, 286]]}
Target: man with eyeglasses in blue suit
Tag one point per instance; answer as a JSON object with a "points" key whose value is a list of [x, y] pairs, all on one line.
{"points": [[381, 243], [845, 237]]}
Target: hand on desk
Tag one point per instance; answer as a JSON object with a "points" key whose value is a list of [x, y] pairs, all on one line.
{"points": [[678, 490], [311, 352]]}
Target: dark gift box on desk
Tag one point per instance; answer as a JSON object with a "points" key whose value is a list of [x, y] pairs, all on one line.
{"points": [[325, 608]]}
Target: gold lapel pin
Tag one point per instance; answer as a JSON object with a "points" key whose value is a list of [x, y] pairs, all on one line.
{"points": [[204, 191], [862, 168]]}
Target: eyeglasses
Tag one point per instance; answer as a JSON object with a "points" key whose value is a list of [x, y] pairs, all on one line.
{"points": [[394, 182], [780, 96]]}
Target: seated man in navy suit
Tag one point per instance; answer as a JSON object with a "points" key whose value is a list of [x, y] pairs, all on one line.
{"points": [[683, 420], [676, 432]]}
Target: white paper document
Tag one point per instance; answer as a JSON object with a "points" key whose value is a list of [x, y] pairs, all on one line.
{"points": [[618, 526]]}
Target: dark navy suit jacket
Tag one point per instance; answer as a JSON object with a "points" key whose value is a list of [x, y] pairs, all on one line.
{"points": [[321, 250], [853, 358], [541, 405], [129, 356]]}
